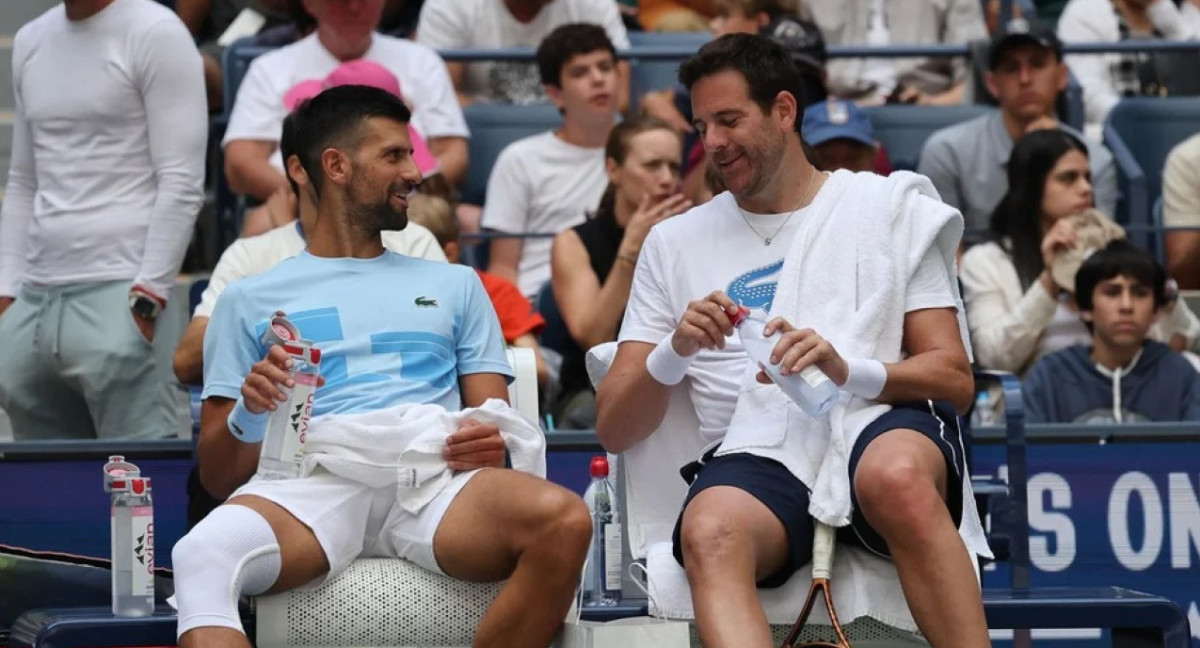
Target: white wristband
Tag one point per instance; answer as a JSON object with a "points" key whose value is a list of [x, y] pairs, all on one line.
{"points": [[866, 378], [666, 366]]}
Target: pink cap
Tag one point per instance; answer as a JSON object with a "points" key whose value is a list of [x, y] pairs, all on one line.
{"points": [[368, 73]]}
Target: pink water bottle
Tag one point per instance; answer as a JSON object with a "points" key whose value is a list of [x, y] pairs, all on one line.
{"points": [[131, 519]]}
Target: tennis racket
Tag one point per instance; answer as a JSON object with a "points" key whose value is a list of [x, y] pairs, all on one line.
{"points": [[822, 572]]}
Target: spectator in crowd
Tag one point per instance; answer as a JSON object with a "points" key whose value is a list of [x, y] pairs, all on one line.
{"points": [[501, 24], [591, 264], [1105, 78], [520, 322], [966, 161], [345, 32], [746, 522], [280, 208], [880, 23], [412, 362], [1017, 286], [841, 136], [253, 255], [215, 23], [105, 181], [1121, 377], [546, 183], [1181, 208]]}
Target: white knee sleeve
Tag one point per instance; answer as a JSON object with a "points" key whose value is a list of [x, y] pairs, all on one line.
{"points": [[231, 552]]}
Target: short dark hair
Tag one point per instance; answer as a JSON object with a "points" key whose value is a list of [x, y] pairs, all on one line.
{"points": [[334, 118], [287, 150], [764, 63], [1120, 258], [567, 42]]}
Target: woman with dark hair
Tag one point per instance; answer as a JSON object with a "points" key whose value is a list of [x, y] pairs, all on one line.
{"points": [[1018, 309], [591, 265]]}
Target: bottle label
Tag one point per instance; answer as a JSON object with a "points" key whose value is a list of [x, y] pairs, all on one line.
{"points": [[287, 430], [142, 533], [612, 556], [813, 376]]}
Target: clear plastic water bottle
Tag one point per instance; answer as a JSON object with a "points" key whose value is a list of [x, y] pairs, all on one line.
{"points": [[287, 426], [604, 582], [812, 390], [985, 410], [131, 519]]}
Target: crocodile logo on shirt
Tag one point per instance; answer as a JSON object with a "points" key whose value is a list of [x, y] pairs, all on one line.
{"points": [[425, 302]]}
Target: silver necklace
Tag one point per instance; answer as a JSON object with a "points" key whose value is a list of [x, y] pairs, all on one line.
{"points": [[767, 239]]}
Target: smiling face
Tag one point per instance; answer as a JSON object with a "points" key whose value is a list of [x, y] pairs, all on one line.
{"points": [[1122, 312], [745, 143], [1068, 188], [588, 87], [381, 175], [1026, 81]]}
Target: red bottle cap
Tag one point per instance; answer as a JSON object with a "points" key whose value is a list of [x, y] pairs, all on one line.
{"points": [[740, 316], [600, 466]]}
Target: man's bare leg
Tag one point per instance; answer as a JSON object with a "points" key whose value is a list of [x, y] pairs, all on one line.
{"points": [[730, 542], [301, 560], [901, 484], [507, 524]]}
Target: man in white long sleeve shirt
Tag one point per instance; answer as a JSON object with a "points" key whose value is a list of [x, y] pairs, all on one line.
{"points": [[1106, 78], [105, 183]]}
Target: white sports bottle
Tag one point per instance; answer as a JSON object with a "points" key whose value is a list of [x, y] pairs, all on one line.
{"points": [[131, 518], [287, 426], [812, 390]]}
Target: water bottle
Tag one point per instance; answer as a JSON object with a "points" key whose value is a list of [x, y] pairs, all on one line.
{"points": [[985, 412], [604, 581], [131, 520], [287, 426], [812, 390]]}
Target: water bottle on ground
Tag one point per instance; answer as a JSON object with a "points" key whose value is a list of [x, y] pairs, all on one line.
{"points": [[812, 390], [603, 586], [132, 531], [287, 426]]}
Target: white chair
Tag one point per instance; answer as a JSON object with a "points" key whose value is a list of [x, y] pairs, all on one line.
{"points": [[380, 602], [653, 495]]}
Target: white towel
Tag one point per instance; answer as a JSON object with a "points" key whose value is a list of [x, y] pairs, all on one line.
{"points": [[403, 446], [845, 276]]}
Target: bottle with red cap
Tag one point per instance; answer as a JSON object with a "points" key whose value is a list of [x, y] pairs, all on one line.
{"points": [[603, 586], [287, 426], [812, 390], [131, 519]]}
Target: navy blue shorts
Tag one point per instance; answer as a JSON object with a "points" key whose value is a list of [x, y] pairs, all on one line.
{"points": [[787, 497]]}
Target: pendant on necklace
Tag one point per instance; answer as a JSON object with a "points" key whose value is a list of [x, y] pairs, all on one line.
{"points": [[767, 241]]}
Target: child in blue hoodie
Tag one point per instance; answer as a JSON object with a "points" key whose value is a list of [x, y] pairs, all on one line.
{"points": [[1122, 377]]}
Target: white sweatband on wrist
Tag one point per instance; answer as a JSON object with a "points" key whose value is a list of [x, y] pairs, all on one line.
{"points": [[246, 426], [866, 378], [666, 366]]}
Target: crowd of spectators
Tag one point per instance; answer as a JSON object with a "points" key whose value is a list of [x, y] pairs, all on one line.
{"points": [[109, 156]]}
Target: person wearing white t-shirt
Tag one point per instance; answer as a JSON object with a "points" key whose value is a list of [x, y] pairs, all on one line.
{"points": [[105, 183], [547, 183], [345, 31], [747, 521], [502, 24], [254, 255]]}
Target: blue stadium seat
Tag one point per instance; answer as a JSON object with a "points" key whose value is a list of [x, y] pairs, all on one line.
{"points": [[647, 75], [555, 336], [493, 127], [1144, 130], [903, 128]]}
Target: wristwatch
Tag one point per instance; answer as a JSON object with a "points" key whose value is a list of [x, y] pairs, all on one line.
{"points": [[144, 305]]}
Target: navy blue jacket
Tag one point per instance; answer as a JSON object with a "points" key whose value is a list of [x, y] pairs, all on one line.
{"points": [[1068, 387]]}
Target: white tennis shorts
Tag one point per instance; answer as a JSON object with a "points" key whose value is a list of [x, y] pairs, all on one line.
{"points": [[351, 520]]}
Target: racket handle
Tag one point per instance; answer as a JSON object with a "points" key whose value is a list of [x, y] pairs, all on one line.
{"points": [[823, 544]]}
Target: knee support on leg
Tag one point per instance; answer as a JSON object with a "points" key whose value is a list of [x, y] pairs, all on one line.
{"points": [[231, 552]]}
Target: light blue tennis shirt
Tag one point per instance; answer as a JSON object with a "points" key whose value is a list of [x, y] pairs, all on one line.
{"points": [[391, 330]]}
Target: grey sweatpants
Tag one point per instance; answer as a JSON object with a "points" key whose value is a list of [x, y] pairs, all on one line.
{"points": [[73, 365]]}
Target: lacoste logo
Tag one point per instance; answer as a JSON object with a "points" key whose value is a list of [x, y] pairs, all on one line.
{"points": [[425, 302]]}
